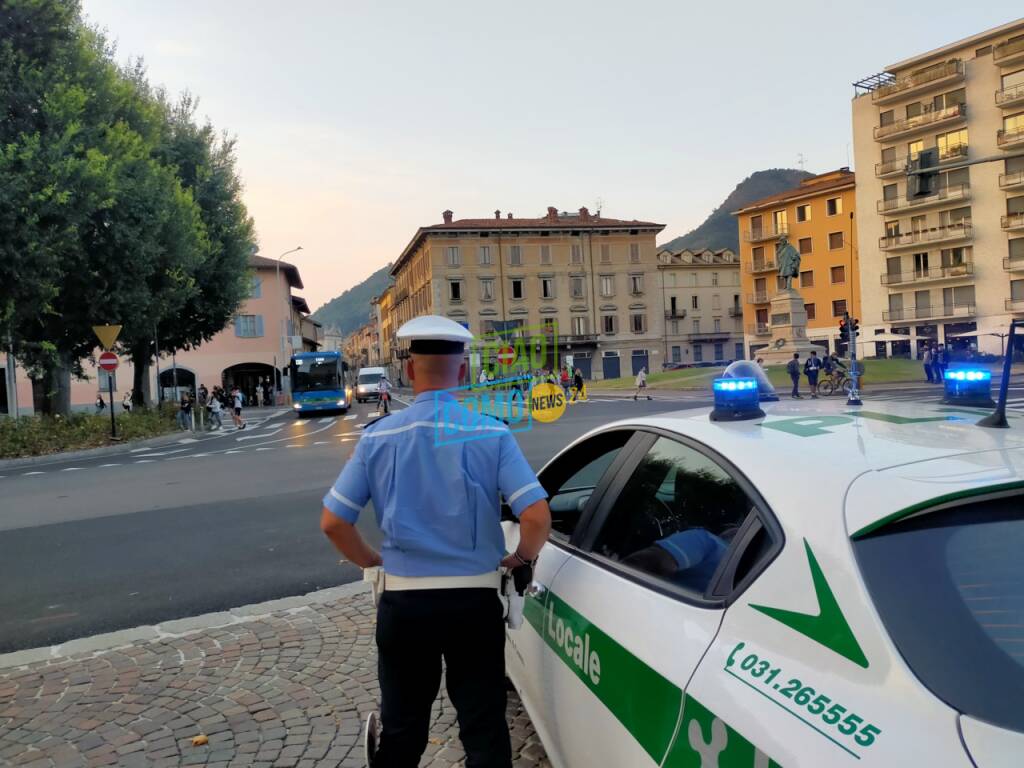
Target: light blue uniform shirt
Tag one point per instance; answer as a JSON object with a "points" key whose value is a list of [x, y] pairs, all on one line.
{"points": [[436, 500]]}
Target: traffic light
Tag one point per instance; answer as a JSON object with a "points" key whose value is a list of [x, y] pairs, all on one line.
{"points": [[856, 327], [923, 184], [842, 329]]}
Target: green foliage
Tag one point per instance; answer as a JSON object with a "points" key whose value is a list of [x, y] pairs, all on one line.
{"points": [[350, 310], [42, 435], [719, 230]]}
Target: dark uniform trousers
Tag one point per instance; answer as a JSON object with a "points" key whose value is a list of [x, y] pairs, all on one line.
{"points": [[415, 630]]}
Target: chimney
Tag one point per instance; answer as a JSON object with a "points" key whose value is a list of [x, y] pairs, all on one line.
{"points": [[497, 214], [584, 214], [510, 215], [552, 213], [447, 216]]}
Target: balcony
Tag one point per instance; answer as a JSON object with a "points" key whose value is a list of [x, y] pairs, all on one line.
{"points": [[945, 234], [582, 339], [757, 267], [945, 195], [735, 311], [765, 233], [955, 152], [1012, 138], [1011, 180], [758, 297], [1010, 97], [1010, 52], [1012, 222], [928, 119], [1014, 264], [933, 77], [959, 272], [928, 313], [1015, 305], [891, 167], [759, 329], [677, 314]]}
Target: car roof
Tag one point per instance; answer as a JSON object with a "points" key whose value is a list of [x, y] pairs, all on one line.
{"points": [[825, 445]]}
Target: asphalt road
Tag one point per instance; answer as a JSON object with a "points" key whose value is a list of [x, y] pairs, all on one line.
{"points": [[149, 535]]}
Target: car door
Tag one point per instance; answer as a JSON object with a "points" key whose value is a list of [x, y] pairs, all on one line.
{"points": [[630, 615], [575, 480]]}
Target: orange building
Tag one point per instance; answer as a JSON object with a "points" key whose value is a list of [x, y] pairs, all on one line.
{"points": [[818, 219]]}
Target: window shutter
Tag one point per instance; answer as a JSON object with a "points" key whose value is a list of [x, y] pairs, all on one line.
{"points": [[259, 325], [238, 327]]}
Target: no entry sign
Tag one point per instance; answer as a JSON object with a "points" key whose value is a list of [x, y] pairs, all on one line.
{"points": [[108, 362], [506, 355]]}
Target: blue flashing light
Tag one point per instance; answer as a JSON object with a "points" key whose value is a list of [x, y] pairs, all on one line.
{"points": [[735, 399], [734, 385], [968, 386], [968, 375]]}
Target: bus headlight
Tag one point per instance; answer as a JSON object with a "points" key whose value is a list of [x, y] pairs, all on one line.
{"points": [[341, 403], [297, 406]]}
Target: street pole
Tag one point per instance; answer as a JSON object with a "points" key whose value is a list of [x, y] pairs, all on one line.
{"points": [[110, 388], [12, 379], [156, 356], [854, 397]]}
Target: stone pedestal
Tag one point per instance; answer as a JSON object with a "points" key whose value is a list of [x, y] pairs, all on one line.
{"points": [[788, 322]]}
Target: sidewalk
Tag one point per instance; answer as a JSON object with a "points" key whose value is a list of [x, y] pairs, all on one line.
{"points": [[285, 683]]}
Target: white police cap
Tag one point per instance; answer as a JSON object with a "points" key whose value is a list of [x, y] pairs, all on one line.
{"points": [[434, 335]]}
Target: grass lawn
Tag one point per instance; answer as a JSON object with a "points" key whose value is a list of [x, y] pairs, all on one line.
{"points": [[891, 371], [43, 435]]}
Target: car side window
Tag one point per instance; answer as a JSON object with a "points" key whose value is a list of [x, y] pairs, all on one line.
{"points": [[571, 480], [675, 517]]}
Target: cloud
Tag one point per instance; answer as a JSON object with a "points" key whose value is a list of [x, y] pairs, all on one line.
{"points": [[176, 49]]}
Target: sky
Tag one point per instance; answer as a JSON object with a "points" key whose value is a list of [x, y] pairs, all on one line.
{"points": [[359, 122]]}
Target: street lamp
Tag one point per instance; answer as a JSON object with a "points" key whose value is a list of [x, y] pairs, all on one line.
{"points": [[284, 317]]}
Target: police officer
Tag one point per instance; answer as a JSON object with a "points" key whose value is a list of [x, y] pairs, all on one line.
{"points": [[435, 472]]}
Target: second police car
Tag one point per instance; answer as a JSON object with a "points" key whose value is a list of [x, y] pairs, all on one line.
{"points": [[824, 586]]}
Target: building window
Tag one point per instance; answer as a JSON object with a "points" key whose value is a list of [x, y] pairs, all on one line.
{"points": [[803, 213], [609, 324], [455, 290], [809, 309], [677, 353], [487, 289], [698, 353], [833, 206], [576, 254], [716, 301], [888, 117], [952, 144], [636, 284], [483, 255], [804, 244], [807, 279], [550, 326], [718, 325], [249, 326], [695, 302], [606, 254], [719, 351], [545, 254], [452, 252], [838, 307], [547, 287], [256, 288], [104, 379], [634, 253], [515, 256], [674, 326], [579, 325], [835, 241], [576, 287], [838, 275], [714, 278], [696, 325], [780, 221], [518, 287], [638, 322], [607, 285], [757, 254]]}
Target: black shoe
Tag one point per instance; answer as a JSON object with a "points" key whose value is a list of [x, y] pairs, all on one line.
{"points": [[370, 739]]}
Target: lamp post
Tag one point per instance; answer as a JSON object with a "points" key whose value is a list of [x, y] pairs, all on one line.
{"points": [[284, 317]]}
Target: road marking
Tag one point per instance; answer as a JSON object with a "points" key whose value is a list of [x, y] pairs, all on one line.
{"points": [[26, 474], [186, 440], [293, 446], [104, 466], [271, 426], [71, 469], [321, 442], [352, 416], [163, 453], [265, 449], [233, 451], [328, 420], [257, 437], [141, 450], [144, 461], [347, 438]]}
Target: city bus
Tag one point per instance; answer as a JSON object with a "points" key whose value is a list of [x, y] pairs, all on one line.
{"points": [[318, 382]]}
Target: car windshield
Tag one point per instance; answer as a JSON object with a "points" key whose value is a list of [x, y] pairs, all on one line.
{"points": [[314, 374], [369, 378], [949, 587]]}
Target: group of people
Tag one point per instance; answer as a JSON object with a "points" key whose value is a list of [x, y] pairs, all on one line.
{"points": [[571, 383], [935, 360], [812, 368], [214, 403], [126, 402]]}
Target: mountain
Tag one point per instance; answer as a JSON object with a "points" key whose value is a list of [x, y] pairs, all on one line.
{"points": [[350, 310], [719, 230]]}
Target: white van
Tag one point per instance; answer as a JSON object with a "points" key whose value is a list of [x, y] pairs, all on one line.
{"points": [[366, 384]]}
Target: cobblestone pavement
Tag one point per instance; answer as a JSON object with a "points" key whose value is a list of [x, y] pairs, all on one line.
{"points": [[290, 688]]}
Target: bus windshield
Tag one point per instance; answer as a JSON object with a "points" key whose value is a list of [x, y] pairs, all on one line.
{"points": [[315, 373]]}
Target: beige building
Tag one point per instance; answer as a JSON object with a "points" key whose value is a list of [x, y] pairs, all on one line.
{"points": [[701, 300], [947, 266], [590, 282]]}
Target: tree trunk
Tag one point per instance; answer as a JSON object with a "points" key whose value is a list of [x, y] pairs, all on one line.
{"points": [[141, 396], [57, 381]]}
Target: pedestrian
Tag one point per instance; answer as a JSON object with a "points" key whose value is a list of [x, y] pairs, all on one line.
{"points": [[383, 394], [641, 383], [438, 504], [215, 408], [236, 402], [827, 365], [579, 390], [926, 361], [126, 401], [760, 363], [811, 368], [204, 395], [943, 362], [101, 404], [793, 369], [185, 412], [482, 378], [564, 380], [259, 394], [936, 365]]}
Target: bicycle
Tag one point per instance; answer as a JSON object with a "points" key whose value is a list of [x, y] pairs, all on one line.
{"points": [[837, 381]]}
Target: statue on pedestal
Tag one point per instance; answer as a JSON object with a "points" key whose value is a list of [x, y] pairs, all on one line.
{"points": [[788, 259]]}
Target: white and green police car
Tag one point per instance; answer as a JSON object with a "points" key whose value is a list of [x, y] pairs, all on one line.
{"points": [[824, 586]]}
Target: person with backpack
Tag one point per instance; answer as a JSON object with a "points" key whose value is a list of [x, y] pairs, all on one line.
{"points": [[793, 369], [215, 409], [185, 412], [811, 368], [237, 398]]}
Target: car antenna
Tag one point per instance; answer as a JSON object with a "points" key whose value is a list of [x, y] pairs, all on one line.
{"points": [[997, 419]]}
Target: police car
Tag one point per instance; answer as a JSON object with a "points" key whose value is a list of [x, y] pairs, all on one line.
{"points": [[819, 586]]}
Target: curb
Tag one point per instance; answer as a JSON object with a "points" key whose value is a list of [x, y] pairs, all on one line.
{"points": [[175, 628], [103, 450]]}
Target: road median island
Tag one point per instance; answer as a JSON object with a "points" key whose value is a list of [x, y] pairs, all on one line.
{"points": [[45, 436]]}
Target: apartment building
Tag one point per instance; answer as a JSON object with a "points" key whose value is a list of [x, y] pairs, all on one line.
{"points": [[818, 218], [701, 294], [587, 281], [947, 266]]}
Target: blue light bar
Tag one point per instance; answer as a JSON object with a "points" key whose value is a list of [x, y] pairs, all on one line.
{"points": [[968, 386], [735, 399], [968, 375], [734, 385]]}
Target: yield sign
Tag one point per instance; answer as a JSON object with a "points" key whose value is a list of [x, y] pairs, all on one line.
{"points": [[107, 334], [506, 355], [108, 362]]}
